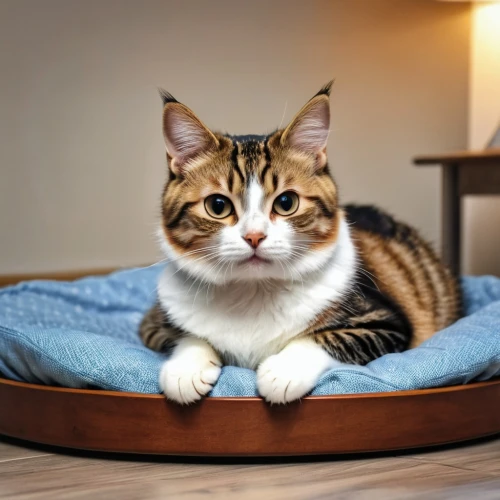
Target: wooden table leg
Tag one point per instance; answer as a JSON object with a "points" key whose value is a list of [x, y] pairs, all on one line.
{"points": [[451, 218]]}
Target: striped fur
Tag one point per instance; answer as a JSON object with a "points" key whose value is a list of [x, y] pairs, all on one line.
{"points": [[230, 170], [328, 284]]}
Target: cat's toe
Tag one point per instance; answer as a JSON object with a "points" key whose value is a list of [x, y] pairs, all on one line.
{"points": [[280, 382], [187, 384]]}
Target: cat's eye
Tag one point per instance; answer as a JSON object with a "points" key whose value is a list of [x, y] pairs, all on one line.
{"points": [[286, 203], [218, 206]]}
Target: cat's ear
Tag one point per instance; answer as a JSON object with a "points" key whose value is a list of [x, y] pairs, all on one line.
{"points": [[186, 137], [308, 131]]}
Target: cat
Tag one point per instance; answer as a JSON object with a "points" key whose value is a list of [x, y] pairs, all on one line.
{"points": [[267, 271]]}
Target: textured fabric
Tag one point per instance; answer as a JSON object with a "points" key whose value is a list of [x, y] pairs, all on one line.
{"points": [[84, 334]]}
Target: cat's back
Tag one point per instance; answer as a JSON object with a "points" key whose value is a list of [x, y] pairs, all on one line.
{"points": [[405, 267]]}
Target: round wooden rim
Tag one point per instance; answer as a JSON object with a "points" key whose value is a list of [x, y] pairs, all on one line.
{"points": [[140, 423]]}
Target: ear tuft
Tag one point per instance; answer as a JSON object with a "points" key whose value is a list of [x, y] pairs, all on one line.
{"points": [[166, 97], [325, 90]]}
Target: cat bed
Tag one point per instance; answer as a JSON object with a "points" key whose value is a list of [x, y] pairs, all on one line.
{"points": [[83, 336]]}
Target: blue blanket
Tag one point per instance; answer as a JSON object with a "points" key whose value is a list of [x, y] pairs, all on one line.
{"points": [[84, 334]]}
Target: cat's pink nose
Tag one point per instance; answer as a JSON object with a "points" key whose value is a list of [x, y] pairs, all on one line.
{"points": [[254, 239]]}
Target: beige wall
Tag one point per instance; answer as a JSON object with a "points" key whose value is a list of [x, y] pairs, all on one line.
{"points": [[482, 214], [82, 158]]}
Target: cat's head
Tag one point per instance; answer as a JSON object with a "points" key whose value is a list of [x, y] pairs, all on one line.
{"points": [[249, 207]]}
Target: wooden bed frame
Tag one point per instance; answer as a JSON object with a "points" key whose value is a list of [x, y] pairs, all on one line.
{"points": [[138, 423]]}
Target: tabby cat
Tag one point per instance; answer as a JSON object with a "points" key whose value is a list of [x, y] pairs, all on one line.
{"points": [[267, 271]]}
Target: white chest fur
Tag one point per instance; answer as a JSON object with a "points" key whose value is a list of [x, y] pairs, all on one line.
{"points": [[247, 322]]}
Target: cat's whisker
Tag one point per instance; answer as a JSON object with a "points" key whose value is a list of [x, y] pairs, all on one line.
{"points": [[222, 266], [210, 256], [210, 282], [284, 273], [147, 267], [197, 291], [284, 112], [196, 279], [192, 252], [227, 269], [307, 241]]}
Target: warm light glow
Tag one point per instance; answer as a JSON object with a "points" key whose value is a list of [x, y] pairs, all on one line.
{"points": [[489, 9], [484, 99], [472, 1], [486, 29]]}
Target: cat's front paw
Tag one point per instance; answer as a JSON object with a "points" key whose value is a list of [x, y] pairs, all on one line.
{"points": [[186, 384], [189, 374], [280, 381], [292, 373]]}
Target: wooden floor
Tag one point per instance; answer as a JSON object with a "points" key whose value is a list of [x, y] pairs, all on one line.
{"points": [[37, 472]]}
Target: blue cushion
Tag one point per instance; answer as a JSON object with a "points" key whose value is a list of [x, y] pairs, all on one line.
{"points": [[84, 334]]}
